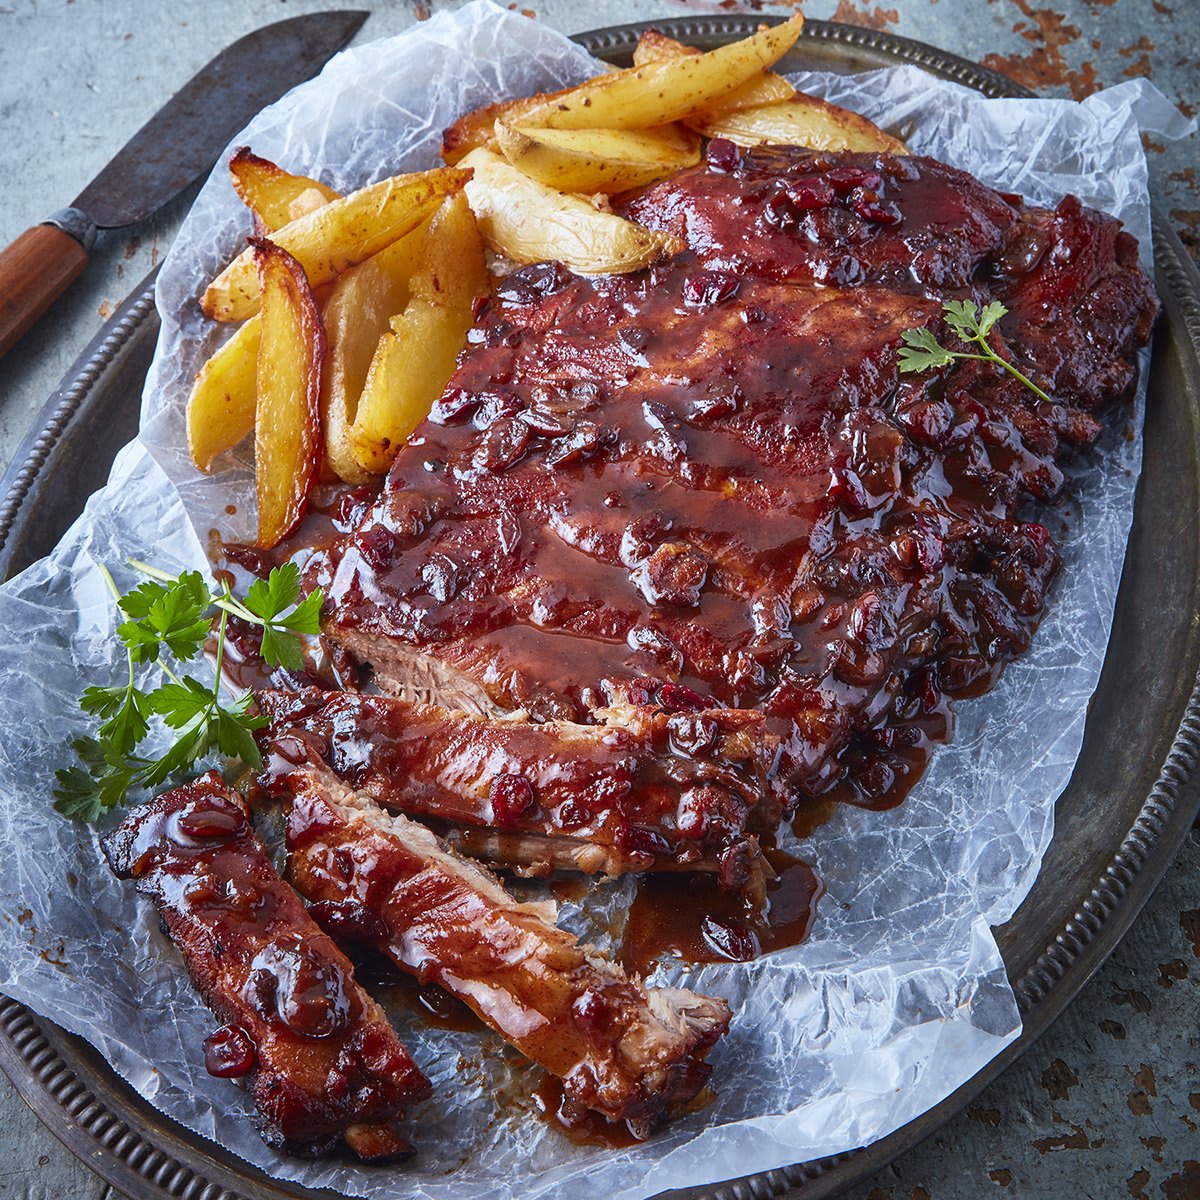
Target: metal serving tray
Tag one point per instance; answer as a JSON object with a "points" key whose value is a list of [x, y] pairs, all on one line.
{"points": [[1121, 820]]}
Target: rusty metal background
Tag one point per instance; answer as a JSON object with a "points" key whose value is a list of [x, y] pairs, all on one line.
{"points": [[1129, 806]]}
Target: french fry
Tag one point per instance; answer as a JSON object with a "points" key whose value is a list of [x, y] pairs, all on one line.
{"points": [[291, 357], [416, 357], [341, 234], [530, 222], [597, 160], [672, 90], [767, 88], [802, 121], [220, 410], [356, 316], [274, 196]]}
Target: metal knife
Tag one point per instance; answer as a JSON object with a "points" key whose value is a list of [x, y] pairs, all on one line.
{"points": [[176, 146]]}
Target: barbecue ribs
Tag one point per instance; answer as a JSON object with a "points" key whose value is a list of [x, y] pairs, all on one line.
{"points": [[322, 1062], [626, 1051], [703, 494]]}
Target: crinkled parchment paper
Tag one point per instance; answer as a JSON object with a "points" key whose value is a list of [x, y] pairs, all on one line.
{"points": [[900, 994]]}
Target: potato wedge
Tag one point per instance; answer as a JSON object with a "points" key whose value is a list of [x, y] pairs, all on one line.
{"points": [[291, 357], [767, 88], [661, 92], [337, 236], [356, 316], [597, 160], [529, 222], [801, 121], [416, 357], [274, 196], [220, 410], [478, 127]]}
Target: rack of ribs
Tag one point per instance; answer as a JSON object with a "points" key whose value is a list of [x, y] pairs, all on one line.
{"points": [[322, 1063], [629, 1052], [645, 789], [706, 486]]}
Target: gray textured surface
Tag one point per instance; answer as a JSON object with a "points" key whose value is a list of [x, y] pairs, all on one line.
{"points": [[1108, 1104]]}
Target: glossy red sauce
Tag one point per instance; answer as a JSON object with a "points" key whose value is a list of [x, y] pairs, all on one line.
{"points": [[689, 916]]}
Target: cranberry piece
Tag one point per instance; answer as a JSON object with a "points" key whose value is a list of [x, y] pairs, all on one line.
{"points": [[882, 212], [351, 506], [876, 780], [673, 574], [638, 839], [845, 179], [723, 155], [502, 445], [573, 814], [511, 796], [544, 424], [376, 545], [779, 211], [730, 939], [872, 622], [707, 288], [454, 402], [347, 920], [229, 1052], [692, 734], [809, 194], [678, 697], [200, 823], [592, 1013], [583, 440], [722, 399]]}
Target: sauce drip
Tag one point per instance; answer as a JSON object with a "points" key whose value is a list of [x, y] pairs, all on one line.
{"points": [[583, 1127], [689, 916]]}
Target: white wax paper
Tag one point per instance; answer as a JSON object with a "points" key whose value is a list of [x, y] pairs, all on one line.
{"points": [[899, 995]]}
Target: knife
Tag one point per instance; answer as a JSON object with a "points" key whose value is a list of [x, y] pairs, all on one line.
{"points": [[176, 146]]}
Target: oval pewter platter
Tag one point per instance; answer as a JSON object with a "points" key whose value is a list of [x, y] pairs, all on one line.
{"points": [[1128, 807]]}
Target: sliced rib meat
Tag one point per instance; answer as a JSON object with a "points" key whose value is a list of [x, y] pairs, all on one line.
{"points": [[318, 1055], [629, 1052], [647, 789]]}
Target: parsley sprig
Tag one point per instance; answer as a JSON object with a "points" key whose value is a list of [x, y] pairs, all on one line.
{"points": [[172, 615], [922, 352]]}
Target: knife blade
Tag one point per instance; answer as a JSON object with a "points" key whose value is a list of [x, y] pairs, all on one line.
{"points": [[175, 147]]}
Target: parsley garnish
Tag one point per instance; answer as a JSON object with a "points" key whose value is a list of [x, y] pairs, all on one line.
{"points": [[921, 351], [173, 615]]}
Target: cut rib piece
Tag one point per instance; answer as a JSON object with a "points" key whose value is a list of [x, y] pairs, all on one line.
{"points": [[647, 789], [626, 1051], [322, 1062]]}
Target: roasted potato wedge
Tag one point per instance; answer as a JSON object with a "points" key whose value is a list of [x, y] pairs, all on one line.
{"points": [[661, 92], [767, 88], [220, 410], [337, 236], [529, 222], [597, 160], [416, 357], [478, 127], [356, 316], [291, 357], [801, 121], [275, 197]]}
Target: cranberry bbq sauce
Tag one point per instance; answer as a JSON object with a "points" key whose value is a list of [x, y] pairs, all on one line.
{"points": [[701, 501]]}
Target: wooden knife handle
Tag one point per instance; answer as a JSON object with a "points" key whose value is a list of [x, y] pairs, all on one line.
{"points": [[37, 268]]}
